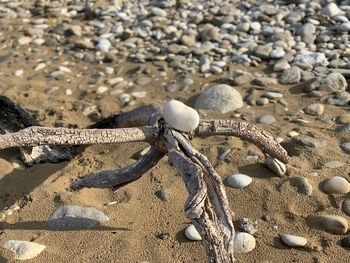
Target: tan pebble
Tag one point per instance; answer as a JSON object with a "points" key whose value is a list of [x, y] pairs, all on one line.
{"points": [[293, 241], [244, 242], [330, 223], [336, 185]]}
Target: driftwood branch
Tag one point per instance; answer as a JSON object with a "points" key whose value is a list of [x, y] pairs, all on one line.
{"points": [[34, 136], [245, 131], [207, 206], [116, 178]]}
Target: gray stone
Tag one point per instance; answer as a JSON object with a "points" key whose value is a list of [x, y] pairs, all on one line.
{"points": [[315, 109], [247, 226], [346, 147], [291, 76], [266, 119], [309, 141], [299, 183], [23, 249], [333, 82], [219, 98], [142, 80], [331, 10], [263, 51], [334, 164], [310, 59], [75, 217]]}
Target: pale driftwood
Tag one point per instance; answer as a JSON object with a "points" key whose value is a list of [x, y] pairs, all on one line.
{"points": [[245, 131], [34, 136], [116, 178], [207, 205]]}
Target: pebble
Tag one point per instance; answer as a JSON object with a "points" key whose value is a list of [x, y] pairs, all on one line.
{"points": [[219, 98], [247, 226], [75, 217], [163, 194], [101, 89], [192, 234], [345, 242], [336, 185], [276, 166], [180, 116], [310, 141], [331, 10], [329, 223], [103, 45], [141, 81], [344, 118], [291, 76], [239, 180], [266, 120], [23, 249], [315, 109], [24, 41], [293, 241], [243, 242], [18, 73], [346, 147], [298, 183], [334, 164], [346, 206]]}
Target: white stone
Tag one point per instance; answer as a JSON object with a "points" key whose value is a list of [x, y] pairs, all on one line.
{"points": [[239, 180], [24, 249], [330, 223], [18, 73], [336, 185], [103, 45], [64, 69], [292, 134], [180, 116], [40, 66], [101, 89], [192, 234], [331, 10], [243, 242], [278, 52], [38, 41], [68, 92], [293, 241], [276, 166]]}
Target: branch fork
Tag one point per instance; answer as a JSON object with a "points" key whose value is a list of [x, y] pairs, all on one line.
{"points": [[206, 206]]}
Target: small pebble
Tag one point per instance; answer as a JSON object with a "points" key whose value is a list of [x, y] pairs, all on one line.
{"points": [[239, 180], [336, 185], [192, 234], [293, 241]]}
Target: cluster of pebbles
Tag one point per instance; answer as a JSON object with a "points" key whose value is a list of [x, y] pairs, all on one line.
{"points": [[304, 44]]}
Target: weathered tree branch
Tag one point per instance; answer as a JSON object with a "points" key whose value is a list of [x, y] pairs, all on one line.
{"points": [[34, 136], [245, 131], [116, 178], [207, 205]]}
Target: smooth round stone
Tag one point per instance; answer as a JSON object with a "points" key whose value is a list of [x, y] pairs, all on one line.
{"points": [[330, 223], [262, 101], [331, 10], [142, 80], [219, 98], [23, 249], [244, 242], [276, 166], [344, 118], [103, 45], [336, 185], [266, 119], [346, 206], [192, 234], [239, 180], [180, 116], [293, 241]]}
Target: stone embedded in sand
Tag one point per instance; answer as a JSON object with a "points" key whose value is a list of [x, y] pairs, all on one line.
{"points": [[346, 206], [298, 183], [315, 109], [276, 166], [219, 98], [336, 185], [24, 249], [332, 224], [293, 241], [243, 242], [75, 217], [180, 116], [239, 180], [192, 234]]}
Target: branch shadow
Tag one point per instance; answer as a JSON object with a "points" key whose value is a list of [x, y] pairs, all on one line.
{"points": [[43, 225], [257, 170], [20, 183]]}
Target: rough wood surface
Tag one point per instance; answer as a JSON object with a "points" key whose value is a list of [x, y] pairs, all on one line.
{"points": [[245, 131], [34, 136]]}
